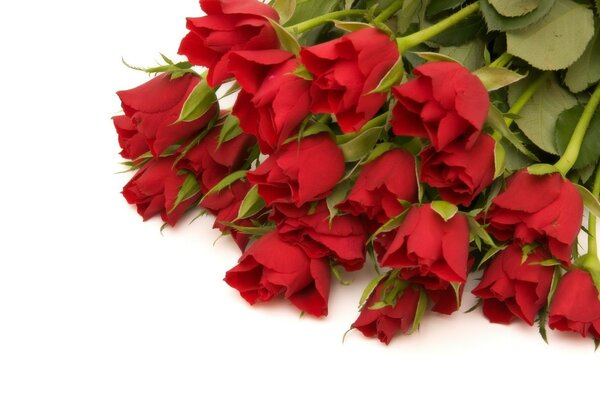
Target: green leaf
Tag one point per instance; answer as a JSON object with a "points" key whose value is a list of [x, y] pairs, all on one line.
{"points": [[360, 145], [444, 209], [200, 100], [586, 70], [438, 6], [478, 231], [590, 148], [249, 230], [498, 22], [188, 189], [514, 8], [489, 254], [369, 290], [542, 169], [432, 56], [393, 77], [555, 279], [303, 73], [496, 121], [421, 308], [225, 182], [338, 194], [350, 26], [309, 9], [461, 33], [556, 41], [469, 54], [286, 38], [495, 78], [411, 10], [230, 129], [538, 117], [589, 200], [379, 150], [251, 204], [499, 160], [285, 9], [543, 316], [456, 287]]}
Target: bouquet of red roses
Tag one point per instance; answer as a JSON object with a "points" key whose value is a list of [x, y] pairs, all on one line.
{"points": [[430, 139]]}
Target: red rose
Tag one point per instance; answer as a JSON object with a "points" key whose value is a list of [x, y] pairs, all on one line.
{"points": [[152, 110], [272, 267], [511, 288], [381, 185], [211, 162], [345, 70], [538, 208], [225, 206], [229, 25], [428, 250], [458, 173], [387, 321], [444, 102], [154, 188], [274, 101], [300, 172], [575, 306], [309, 227]]}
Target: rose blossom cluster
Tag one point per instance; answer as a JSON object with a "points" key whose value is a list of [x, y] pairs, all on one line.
{"points": [[318, 167]]}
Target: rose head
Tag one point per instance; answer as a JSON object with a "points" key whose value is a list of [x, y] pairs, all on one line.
{"points": [[300, 171], [458, 173], [211, 162], [511, 288], [229, 25], [150, 114], [381, 185], [345, 71], [272, 267], [386, 322], [444, 102], [154, 188], [309, 227], [274, 101], [575, 306], [428, 250], [538, 208]]}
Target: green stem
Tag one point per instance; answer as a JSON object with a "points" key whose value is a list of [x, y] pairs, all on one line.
{"points": [[323, 19], [501, 61], [389, 11], [592, 245], [410, 41], [566, 162], [525, 96]]}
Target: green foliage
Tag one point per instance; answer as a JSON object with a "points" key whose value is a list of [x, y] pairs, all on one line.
{"points": [[230, 129], [439, 6], [556, 41], [565, 126], [251, 205], [285, 9], [188, 190], [586, 70], [200, 100], [497, 22], [469, 54], [514, 8], [444, 209]]}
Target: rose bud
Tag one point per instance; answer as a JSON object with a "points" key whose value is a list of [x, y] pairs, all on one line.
{"points": [[272, 267], [381, 186], [309, 227], [512, 288], [389, 320], [458, 173], [228, 25], [446, 300], [538, 208], [428, 250], [444, 102], [300, 171], [211, 162], [152, 110], [154, 189], [225, 206], [273, 101], [345, 71], [575, 306]]}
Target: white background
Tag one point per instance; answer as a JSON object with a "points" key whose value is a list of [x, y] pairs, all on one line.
{"points": [[95, 304]]}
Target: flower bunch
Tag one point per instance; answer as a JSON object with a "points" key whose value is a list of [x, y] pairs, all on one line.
{"points": [[428, 142]]}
